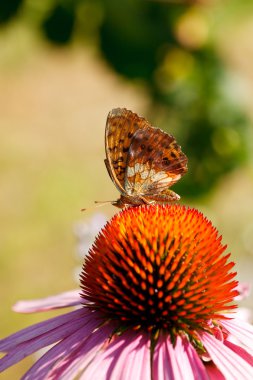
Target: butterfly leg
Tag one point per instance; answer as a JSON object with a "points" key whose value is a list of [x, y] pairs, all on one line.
{"points": [[147, 201]]}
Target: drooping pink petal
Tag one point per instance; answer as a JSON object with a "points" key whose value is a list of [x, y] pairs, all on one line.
{"points": [[77, 361], [125, 358], [177, 363], [213, 372], [162, 368], [232, 366], [244, 289], [55, 361], [243, 313], [38, 329], [240, 351], [66, 299], [196, 365], [43, 334], [241, 330]]}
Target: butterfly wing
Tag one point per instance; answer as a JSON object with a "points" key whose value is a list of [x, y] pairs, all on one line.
{"points": [[120, 128], [154, 163]]}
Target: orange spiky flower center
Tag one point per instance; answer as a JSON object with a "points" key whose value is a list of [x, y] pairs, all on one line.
{"points": [[159, 268]]}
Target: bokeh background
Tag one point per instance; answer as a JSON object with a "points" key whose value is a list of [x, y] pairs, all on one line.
{"points": [[187, 66]]}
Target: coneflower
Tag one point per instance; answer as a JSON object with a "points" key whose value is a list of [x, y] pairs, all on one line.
{"points": [[156, 303]]}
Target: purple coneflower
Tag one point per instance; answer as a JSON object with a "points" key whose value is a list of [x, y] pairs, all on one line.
{"points": [[156, 303]]}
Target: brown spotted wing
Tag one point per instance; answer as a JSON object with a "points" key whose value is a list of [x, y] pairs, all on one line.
{"points": [[142, 161]]}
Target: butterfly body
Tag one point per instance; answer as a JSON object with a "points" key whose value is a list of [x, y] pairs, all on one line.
{"points": [[142, 161]]}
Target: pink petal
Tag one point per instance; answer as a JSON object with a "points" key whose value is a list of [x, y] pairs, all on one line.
{"points": [[32, 340], [76, 363], [231, 365], [66, 299], [81, 344], [38, 329], [240, 351], [162, 368], [241, 330], [244, 314], [125, 358], [244, 290], [213, 372], [196, 365], [180, 362]]}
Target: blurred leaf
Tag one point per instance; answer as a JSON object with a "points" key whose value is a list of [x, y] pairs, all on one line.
{"points": [[59, 24], [8, 9], [212, 129], [132, 35]]}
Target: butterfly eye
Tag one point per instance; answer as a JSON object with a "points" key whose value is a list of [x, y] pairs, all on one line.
{"points": [[143, 146], [150, 149]]}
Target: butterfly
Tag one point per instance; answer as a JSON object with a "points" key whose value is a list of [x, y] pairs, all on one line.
{"points": [[142, 161]]}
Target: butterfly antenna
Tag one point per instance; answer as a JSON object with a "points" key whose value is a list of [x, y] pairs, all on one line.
{"points": [[102, 203], [98, 204]]}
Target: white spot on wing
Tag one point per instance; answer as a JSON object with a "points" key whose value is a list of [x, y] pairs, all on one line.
{"points": [[137, 168], [130, 171], [146, 174], [161, 177]]}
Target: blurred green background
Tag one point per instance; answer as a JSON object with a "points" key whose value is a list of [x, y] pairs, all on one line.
{"points": [[187, 66]]}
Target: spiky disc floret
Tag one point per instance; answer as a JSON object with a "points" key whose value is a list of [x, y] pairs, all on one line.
{"points": [[159, 268]]}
